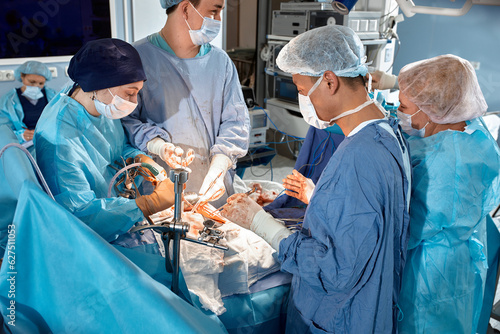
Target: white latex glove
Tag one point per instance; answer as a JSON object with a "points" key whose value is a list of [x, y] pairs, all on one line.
{"points": [[170, 153], [382, 80], [241, 209], [220, 164], [269, 229], [299, 186]]}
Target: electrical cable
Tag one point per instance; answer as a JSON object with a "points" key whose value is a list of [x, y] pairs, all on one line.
{"points": [[396, 54], [33, 163], [283, 133]]}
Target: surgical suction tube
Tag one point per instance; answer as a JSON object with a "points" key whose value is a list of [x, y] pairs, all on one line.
{"points": [[33, 163]]}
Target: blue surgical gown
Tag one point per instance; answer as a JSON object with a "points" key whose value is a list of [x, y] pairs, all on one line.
{"points": [[194, 103], [11, 111], [347, 262], [74, 152], [315, 153], [456, 185]]}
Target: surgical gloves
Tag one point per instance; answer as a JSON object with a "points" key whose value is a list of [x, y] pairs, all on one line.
{"points": [[298, 186], [382, 80], [162, 198], [242, 210], [213, 185], [170, 153]]}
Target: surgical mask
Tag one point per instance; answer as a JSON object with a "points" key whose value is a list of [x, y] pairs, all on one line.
{"points": [[307, 109], [311, 117], [405, 122], [118, 108], [33, 93], [208, 31]]}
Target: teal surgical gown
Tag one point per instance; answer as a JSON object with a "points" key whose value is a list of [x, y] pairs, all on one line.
{"points": [[348, 259], [11, 111], [456, 185], [74, 151], [193, 103]]}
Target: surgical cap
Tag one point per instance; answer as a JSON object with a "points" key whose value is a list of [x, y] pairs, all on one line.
{"points": [[33, 67], [443, 87], [169, 3], [329, 48], [106, 63]]}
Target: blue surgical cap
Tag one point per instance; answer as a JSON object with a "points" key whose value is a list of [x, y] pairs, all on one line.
{"points": [[329, 48], [33, 67], [169, 3], [106, 63]]}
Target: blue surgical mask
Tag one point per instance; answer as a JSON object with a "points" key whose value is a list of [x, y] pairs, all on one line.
{"points": [[405, 122], [208, 31], [33, 93]]}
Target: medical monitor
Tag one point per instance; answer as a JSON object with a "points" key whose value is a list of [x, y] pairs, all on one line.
{"points": [[53, 30]]}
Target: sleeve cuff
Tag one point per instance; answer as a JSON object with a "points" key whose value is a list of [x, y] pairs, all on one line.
{"points": [[269, 229]]}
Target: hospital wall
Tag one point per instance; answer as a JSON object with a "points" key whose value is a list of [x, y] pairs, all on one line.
{"points": [[474, 36]]}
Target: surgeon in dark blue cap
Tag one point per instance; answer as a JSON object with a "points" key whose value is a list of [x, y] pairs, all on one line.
{"points": [[79, 135]]}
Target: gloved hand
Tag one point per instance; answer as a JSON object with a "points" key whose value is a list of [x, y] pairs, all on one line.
{"points": [[299, 186], [162, 174], [220, 164], [382, 80], [162, 198], [170, 153], [240, 209]]}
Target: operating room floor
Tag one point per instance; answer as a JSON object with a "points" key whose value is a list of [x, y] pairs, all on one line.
{"points": [[281, 167]]}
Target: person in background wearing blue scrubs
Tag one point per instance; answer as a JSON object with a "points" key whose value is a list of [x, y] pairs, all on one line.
{"points": [[21, 107], [456, 166], [347, 261], [192, 98], [79, 136]]}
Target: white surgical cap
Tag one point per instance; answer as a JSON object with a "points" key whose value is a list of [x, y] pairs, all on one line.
{"points": [[33, 67], [329, 48], [443, 87]]}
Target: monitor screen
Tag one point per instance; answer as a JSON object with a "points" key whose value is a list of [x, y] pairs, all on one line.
{"points": [[49, 28]]}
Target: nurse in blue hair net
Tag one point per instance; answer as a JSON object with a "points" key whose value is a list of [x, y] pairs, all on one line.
{"points": [[79, 137], [192, 99], [21, 107], [347, 260], [456, 167]]}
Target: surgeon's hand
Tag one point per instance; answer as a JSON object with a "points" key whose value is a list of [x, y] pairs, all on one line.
{"points": [[241, 209], [162, 174], [299, 186], [218, 168], [171, 154], [382, 80], [162, 198], [28, 134]]}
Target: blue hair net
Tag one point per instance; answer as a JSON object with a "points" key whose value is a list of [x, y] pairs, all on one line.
{"points": [[33, 67], [169, 3], [330, 48], [106, 63]]}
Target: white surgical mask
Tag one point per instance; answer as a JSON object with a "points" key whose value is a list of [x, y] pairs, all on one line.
{"points": [[307, 109], [208, 31], [118, 108], [33, 93], [311, 117], [405, 122]]}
